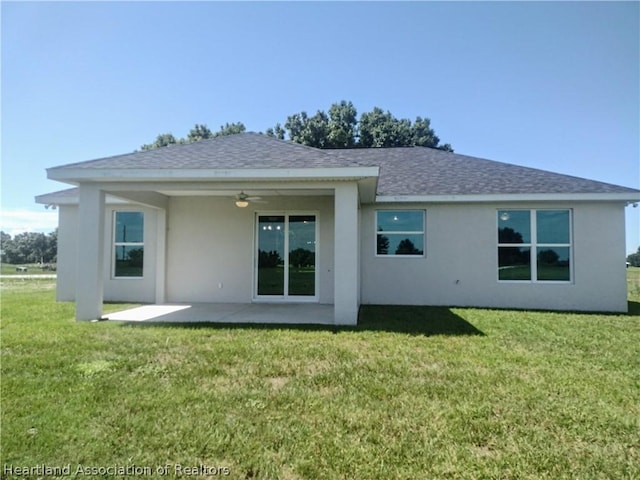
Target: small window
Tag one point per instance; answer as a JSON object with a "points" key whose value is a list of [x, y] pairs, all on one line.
{"points": [[534, 245], [128, 245], [400, 233]]}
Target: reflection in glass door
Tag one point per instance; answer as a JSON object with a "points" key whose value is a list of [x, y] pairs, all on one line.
{"points": [[271, 255], [286, 257], [302, 255]]}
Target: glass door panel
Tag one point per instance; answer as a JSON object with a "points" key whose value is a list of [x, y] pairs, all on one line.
{"points": [[302, 255], [271, 255]]}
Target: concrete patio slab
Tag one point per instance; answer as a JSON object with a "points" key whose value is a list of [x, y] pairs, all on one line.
{"points": [[270, 313]]}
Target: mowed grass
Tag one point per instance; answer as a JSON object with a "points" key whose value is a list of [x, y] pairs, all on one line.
{"points": [[32, 269], [410, 393]]}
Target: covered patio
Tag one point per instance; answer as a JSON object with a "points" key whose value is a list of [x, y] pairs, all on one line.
{"points": [[256, 313]]}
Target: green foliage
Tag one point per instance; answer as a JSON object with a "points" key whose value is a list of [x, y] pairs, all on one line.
{"points": [[382, 247], [340, 128], [230, 129], [162, 140], [406, 247], [276, 132], [342, 125], [301, 257], [197, 133], [312, 131], [634, 258], [29, 247]]}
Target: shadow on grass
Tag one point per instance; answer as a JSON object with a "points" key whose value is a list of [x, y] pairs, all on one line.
{"points": [[634, 308], [417, 320], [411, 320]]}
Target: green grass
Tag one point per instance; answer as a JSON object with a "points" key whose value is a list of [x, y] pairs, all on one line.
{"points": [[32, 269], [410, 393]]}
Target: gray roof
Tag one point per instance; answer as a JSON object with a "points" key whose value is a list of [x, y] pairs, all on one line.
{"points": [[244, 150], [403, 171], [429, 171]]}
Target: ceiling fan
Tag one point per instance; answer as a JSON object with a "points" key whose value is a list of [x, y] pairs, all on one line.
{"points": [[242, 200]]}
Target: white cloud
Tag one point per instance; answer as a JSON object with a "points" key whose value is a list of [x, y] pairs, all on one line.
{"points": [[20, 220]]}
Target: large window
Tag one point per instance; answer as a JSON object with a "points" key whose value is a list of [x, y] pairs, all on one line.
{"points": [[534, 245], [128, 244], [400, 233]]}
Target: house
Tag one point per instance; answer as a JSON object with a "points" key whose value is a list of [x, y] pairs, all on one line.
{"points": [[249, 218]]}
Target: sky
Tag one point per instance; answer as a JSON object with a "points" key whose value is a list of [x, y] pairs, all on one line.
{"points": [[549, 85]]}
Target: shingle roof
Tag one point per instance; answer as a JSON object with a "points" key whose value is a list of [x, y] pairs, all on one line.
{"points": [[403, 171], [429, 171], [245, 150]]}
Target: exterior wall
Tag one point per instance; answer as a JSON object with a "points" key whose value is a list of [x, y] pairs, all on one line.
{"points": [[131, 289], [461, 266], [115, 289], [210, 246], [67, 253], [210, 256]]}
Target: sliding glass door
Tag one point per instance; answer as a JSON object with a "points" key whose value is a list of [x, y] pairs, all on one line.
{"points": [[286, 256]]}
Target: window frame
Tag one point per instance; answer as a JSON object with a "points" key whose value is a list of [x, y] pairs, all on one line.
{"points": [[115, 244], [423, 232], [534, 245]]}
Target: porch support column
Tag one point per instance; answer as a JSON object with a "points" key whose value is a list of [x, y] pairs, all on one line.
{"points": [[161, 255], [90, 275], [346, 255]]}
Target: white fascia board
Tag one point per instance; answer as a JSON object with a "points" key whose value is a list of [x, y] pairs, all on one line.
{"points": [[135, 175], [74, 199], [508, 197]]}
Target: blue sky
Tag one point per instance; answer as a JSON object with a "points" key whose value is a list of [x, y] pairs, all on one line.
{"points": [[548, 85]]}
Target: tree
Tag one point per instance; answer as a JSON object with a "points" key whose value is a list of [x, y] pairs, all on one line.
{"points": [[509, 235], [311, 131], [382, 129], [382, 242], [301, 257], [230, 129], [406, 247], [341, 129], [29, 247], [548, 257], [276, 132], [422, 133], [162, 140], [342, 125], [269, 259], [197, 133], [634, 258]]}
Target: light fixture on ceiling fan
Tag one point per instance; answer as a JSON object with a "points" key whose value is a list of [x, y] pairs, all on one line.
{"points": [[242, 200]]}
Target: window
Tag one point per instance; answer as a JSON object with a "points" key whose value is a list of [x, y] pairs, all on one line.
{"points": [[128, 244], [400, 233], [534, 245]]}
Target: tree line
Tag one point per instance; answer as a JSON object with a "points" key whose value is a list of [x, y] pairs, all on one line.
{"points": [[29, 247], [340, 127], [634, 258]]}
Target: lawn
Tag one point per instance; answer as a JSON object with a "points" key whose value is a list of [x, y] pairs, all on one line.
{"points": [[410, 393], [32, 269]]}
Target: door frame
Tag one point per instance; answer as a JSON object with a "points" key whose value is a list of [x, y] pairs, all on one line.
{"points": [[286, 298]]}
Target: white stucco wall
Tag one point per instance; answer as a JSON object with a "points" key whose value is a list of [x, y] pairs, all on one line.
{"points": [[133, 289], [67, 253], [210, 246], [210, 256], [115, 289], [460, 267]]}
